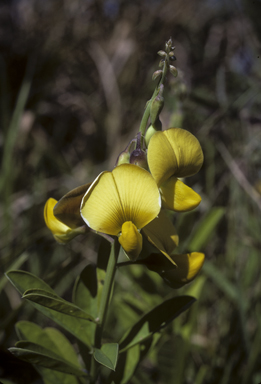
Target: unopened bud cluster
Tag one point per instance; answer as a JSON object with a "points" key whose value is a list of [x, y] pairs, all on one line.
{"points": [[167, 56]]}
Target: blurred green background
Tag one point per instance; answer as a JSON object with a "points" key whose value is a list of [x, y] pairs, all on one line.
{"points": [[74, 79]]}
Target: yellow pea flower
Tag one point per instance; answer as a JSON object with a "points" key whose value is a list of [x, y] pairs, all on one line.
{"points": [[162, 234], [121, 203], [171, 154], [61, 232], [63, 217], [186, 268]]}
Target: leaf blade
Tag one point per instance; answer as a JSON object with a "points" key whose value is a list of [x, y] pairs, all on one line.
{"points": [[107, 355], [155, 320], [36, 354], [23, 281], [52, 301]]}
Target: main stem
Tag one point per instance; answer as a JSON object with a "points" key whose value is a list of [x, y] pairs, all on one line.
{"points": [[105, 299]]}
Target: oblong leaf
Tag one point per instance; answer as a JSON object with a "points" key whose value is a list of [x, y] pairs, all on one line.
{"points": [[23, 281], [49, 338], [52, 301], [155, 320], [87, 294], [54, 340], [36, 354]]}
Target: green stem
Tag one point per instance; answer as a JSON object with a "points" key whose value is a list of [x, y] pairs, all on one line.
{"points": [[105, 299], [146, 114], [109, 279]]}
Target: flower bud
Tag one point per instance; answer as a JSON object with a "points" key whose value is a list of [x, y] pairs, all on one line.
{"points": [[157, 126], [173, 70], [156, 74], [123, 158], [162, 54], [161, 63], [172, 56], [139, 157]]}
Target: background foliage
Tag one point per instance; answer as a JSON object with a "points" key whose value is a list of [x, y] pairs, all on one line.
{"points": [[75, 77]]}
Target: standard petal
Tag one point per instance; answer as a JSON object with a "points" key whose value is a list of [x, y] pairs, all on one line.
{"points": [[61, 232], [130, 240], [162, 234], [101, 207], [128, 193], [177, 196], [67, 208], [161, 158], [174, 152]]}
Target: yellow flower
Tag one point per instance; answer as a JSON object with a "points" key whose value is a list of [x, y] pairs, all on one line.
{"points": [[162, 234], [188, 267], [121, 203], [172, 154], [176, 270], [63, 217]]}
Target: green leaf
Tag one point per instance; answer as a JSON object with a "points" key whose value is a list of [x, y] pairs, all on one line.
{"points": [[155, 320], [107, 355], [63, 345], [23, 281], [36, 354], [52, 301], [49, 338], [87, 294], [50, 376], [128, 362], [54, 340], [112, 351], [16, 264], [88, 288], [130, 359]]}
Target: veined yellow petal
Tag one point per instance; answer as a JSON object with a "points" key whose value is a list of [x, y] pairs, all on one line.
{"points": [[161, 158], [101, 207], [67, 208], [162, 234], [130, 240], [128, 193], [61, 232], [174, 152], [177, 196]]}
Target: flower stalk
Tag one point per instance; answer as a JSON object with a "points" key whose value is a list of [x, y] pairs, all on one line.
{"points": [[104, 305], [166, 55]]}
